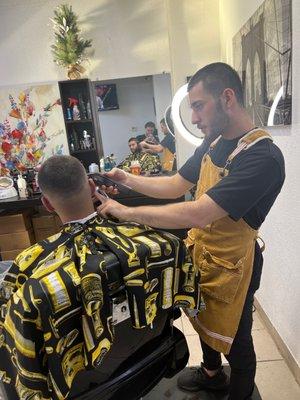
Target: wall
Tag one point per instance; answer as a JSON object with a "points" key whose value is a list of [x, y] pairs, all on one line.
{"points": [[129, 39], [162, 97], [193, 28], [279, 294], [135, 96]]}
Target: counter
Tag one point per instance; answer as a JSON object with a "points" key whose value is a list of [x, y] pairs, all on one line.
{"points": [[131, 199]]}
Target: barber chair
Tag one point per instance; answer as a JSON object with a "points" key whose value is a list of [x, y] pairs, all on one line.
{"points": [[139, 358]]}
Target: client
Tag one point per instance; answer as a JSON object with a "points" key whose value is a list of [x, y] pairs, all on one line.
{"points": [[149, 163], [56, 312]]}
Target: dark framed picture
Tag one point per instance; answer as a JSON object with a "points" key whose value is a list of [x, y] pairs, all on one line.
{"points": [[262, 51], [106, 96]]}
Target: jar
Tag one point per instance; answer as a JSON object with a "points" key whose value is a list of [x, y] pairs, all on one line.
{"points": [[135, 168], [93, 168]]}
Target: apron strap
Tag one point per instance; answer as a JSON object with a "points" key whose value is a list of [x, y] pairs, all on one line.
{"points": [[213, 144], [261, 243], [247, 141]]}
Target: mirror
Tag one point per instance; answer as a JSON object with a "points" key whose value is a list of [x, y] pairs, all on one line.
{"points": [[126, 105]]}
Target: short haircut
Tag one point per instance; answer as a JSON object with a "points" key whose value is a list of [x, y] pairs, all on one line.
{"points": [[62, 176], [168, 123], [150, 124], [132, 139], [217, 77]]}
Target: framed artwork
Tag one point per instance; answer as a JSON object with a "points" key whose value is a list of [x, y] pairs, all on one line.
{"points": [[31, 126], [106, 96], [262, 55]]}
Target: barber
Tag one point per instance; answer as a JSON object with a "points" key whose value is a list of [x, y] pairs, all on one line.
{"points": [[238, 180], [166, 146]]}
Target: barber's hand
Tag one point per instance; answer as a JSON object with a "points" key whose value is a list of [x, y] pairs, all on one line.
{"points": [[117, 175], [144, 145], [110, 208]]}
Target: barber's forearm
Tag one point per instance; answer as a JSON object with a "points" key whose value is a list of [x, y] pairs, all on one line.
{"points": [[161, 187], [171, 216], [154, 148]]}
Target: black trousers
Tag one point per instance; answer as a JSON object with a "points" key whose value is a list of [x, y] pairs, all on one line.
{"points": [[242, 358]]}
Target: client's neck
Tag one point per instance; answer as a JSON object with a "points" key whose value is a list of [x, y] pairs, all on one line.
{"points": [[75, 213]]}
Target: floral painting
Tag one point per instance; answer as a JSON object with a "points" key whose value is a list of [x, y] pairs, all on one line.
{"points": [[31, 127]]}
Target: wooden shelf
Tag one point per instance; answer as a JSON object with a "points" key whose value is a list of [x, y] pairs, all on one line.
{"points": [[77, 121], [83, 90], [82, 151]]}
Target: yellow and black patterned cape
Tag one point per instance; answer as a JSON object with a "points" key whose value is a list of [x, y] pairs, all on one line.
{"points": [[148, 162], [56, 313]]}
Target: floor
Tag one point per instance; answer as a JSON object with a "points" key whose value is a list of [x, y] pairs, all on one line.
{"points": [[273, 378], [167, 390]]}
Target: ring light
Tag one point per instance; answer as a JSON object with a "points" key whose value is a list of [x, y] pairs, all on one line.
{"points": [[176, 102]]}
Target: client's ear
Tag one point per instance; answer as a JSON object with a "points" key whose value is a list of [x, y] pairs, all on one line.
{"points": [[47, 204], [92, 187]]}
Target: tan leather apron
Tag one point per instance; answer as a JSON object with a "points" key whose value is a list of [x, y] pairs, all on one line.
{"points": [[167, 159], [224, 252]]}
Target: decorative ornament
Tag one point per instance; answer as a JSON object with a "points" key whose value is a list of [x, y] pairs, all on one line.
{"points": [[69, 48]]}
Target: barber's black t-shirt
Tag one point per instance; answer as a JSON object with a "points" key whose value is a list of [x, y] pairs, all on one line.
{"points": [[255, 178], [169, 142]]}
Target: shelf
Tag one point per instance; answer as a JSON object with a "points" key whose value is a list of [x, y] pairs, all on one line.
{"points": [[82, 151], [74, 128], [77, 121]]}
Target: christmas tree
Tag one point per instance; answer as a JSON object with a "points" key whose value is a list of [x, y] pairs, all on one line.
{"points": [[69, 48]]}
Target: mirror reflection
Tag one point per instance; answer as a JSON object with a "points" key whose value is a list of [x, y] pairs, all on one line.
{"points": [[137, 133]]}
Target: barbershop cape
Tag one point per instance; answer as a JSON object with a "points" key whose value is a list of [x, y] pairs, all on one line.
{"points": [[56, 313]]}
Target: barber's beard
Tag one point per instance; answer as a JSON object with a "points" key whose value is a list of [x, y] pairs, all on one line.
{"points": [[220, 122]]}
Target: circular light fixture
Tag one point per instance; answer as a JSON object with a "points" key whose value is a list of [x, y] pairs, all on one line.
{"points": [[184, 132], [274, 106], [168, 120]]}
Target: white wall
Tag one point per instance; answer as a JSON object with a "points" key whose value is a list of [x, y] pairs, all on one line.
{"points": [[129, 39], [162, 97], [279, 294], [136, 102], [194, 42]]}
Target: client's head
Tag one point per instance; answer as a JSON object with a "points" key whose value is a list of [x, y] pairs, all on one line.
{"points": [[66, 188], [133, 145]]}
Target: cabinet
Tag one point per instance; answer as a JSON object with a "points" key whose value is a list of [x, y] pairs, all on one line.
{"points": [[78, 102]]}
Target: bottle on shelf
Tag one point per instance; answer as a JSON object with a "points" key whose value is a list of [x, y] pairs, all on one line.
{"points": [[82, 108], [76, 113], [88, 110], [22, 187], [87, 143], [69, 114], [93, 168], [107, 164], [74, 139], [102, 164]]}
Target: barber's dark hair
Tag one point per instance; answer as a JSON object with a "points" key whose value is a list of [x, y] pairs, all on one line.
{"points": [[217, 77], [150, 124], [132, 139], [62, 176], [168, 123]]}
